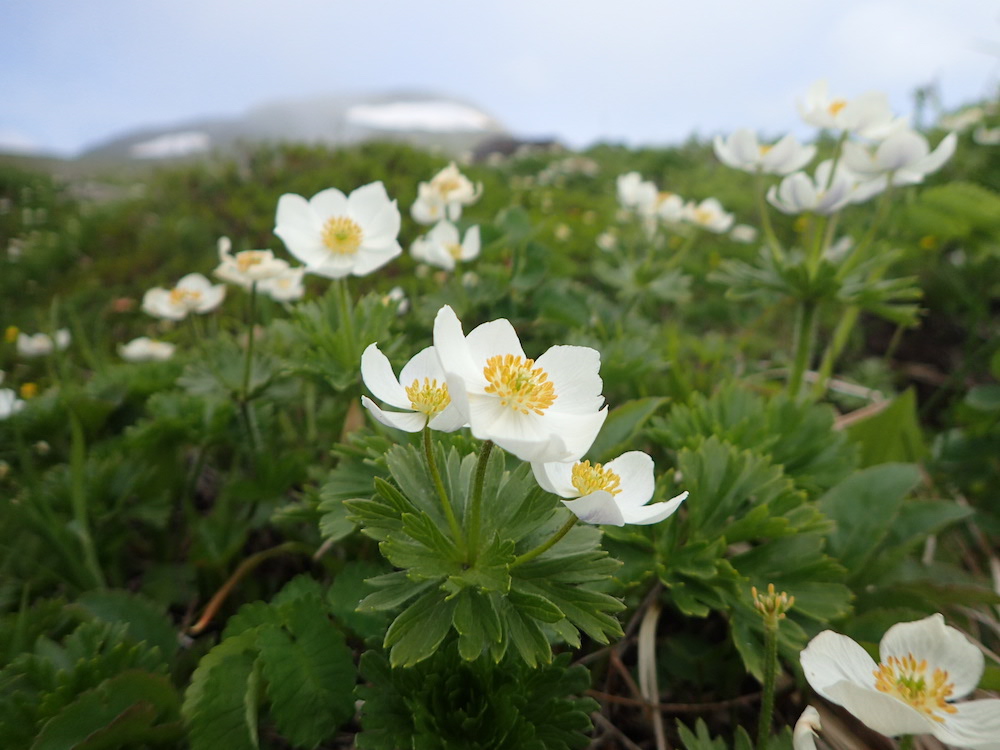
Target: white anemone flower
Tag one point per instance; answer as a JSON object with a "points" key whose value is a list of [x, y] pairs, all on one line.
{"points": [[925, 666], [247, 266], [10, 404], [543, 410], [904, 154], [288, 286], [799, 192], [614, 493], [443, 247], [709, 215], [41, 344], [741, 150], [421, 389], [335, 235], [804, 734], [145, 349], [193, 293], [743, 233], [669, 207], [444, 196], [868, 115], [635, 192]]}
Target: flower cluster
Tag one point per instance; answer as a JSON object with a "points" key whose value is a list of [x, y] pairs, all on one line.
{"points": [[444, 196], [10, 404], [41, 344], [547, 411], [653, 206]]}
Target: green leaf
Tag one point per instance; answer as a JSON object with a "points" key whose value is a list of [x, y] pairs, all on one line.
{"points": [[477, 623], [892, 435], [219, 709], [310, 673], [146, 620], [347, 591], [984, 397], [394, 590], [864, 507], [419, 629]]}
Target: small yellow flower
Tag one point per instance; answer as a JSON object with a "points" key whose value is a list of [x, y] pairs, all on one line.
{"points": [[29, 390], [928, 242], [10, 335]]}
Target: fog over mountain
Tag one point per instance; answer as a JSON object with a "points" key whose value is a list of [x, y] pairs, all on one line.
{"points": [[421, 118]]}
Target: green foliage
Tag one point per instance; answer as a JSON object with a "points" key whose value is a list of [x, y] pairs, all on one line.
{"points": [[287, 654], [449, 703], [492, 604]]}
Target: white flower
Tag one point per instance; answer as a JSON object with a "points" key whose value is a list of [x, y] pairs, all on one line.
{"points": [[614, 493], [193, 293], [607, 241], [669, 207], [821, 194], [633, 191], [442, 246], [741, 150], [247, 266], [396, 296], [286, 287], [444, 196], [10, 404], [926, 665], [421, 389], [544, 410], [709, 215], [743, 233], [145, 349], [335, 235], [962, 120], [985, 136], [41, 344], [804, 735], [904, 154], [868, 115]]}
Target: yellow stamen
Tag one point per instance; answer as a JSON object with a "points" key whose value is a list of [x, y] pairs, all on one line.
{"points": [[184, 296], [250, 258], [906, 678], [835, 106], [342, 235], [428, 397], [519, 384], [587, 479], [454, 250]]}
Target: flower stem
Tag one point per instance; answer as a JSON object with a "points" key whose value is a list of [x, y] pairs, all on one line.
{"points": [[770, 671], [773, 243], [347, 317], [449, 512], [906, 742], [805, 331], [532, 554], [78, 495], [476, 502], [248, 364]]}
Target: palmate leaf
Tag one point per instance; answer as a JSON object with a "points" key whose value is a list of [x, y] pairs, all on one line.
{"points": [[489, 603]]}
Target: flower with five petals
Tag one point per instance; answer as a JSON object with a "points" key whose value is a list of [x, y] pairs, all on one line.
{"points": [[193, 293], [443, 247], [741, 150]]}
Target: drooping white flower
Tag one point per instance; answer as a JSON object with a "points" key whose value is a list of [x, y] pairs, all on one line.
{"points": [[421, 389], [804, 735], [444, 196], [247, 266], [443, 247], [335, 235], [925, 666], [41, 344], [193, 293], [709, 215], [286, 287], [904, 154], [145, 349], [741, 150], [549, 409], [868, 115], [614, 493], [10, 404]]}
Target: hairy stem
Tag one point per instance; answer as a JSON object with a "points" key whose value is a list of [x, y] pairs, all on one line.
{"points": [[476, 502], [532, 554], [449, 512]]}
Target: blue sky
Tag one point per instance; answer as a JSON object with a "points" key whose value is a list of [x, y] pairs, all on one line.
{"points": [[73, 73]]}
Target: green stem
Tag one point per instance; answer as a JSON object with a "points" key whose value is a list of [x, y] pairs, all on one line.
{"points": [[906, 742], [777, 252], [532, 554], [856, 255], [78, 496], [837, 343], [682, 251], [449, 512], [476, 503], [248, 364], [805, 331], [347, 317], [770, 672]]}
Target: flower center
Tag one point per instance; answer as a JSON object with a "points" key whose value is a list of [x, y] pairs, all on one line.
{"points": [[185, 297], [446, 185], [587, 479], [764, 149], [342, 235], [702, 216], [454, 250], [907, 679], [519, 384], [428, 397], [250, 258], [835, 106]]}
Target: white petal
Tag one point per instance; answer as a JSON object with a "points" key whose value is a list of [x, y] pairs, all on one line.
{"points": [[804, 736], [451, 419], [573, 371], [492, 338], [597, 508], [635, 470], [376, 372], [976, 726], [942, 646], [367, 202], [647, 514], [366, 262], [194, 282], [831, 658], [423, 364], [328, 203], [556, 477], [576, 432], [408, 421], [444, 232], [211, 298], [880, 711], [471, 243]]}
